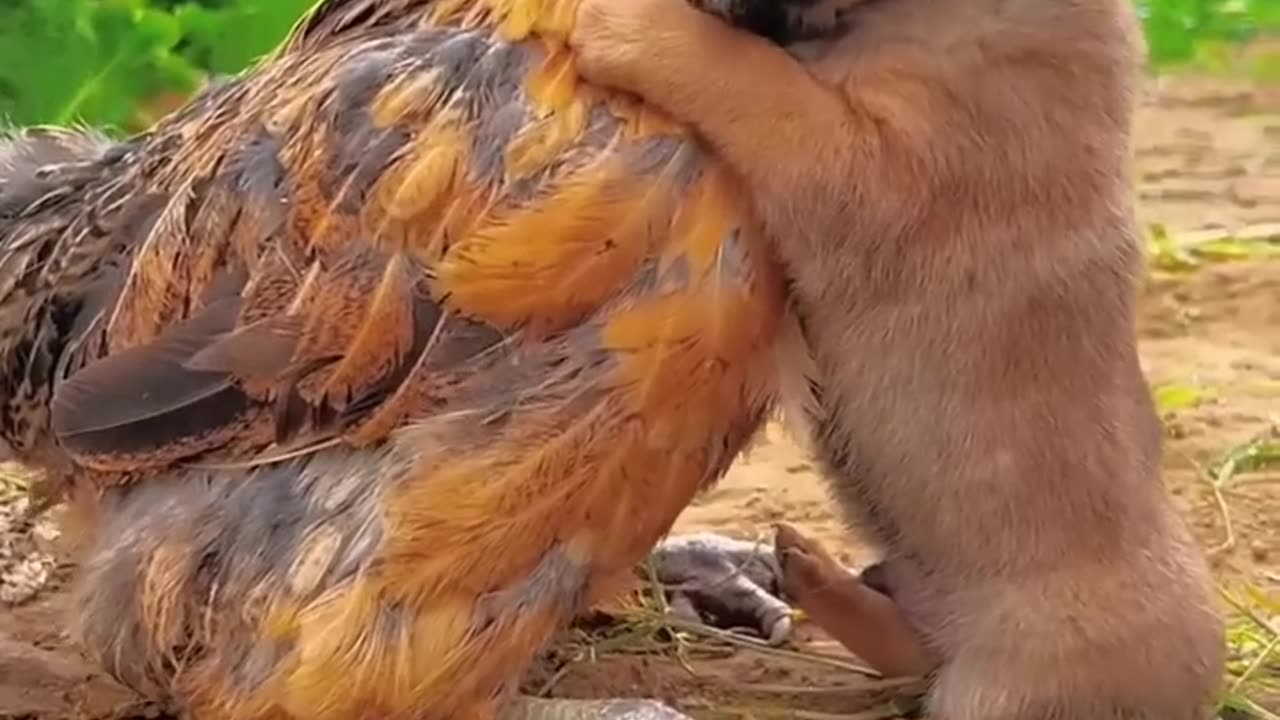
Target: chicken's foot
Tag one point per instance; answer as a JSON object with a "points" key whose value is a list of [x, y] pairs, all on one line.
{"points": [[725, 583]]}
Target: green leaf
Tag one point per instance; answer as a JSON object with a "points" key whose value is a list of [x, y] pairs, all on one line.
{"points": [[1163, 253], [1172, 397]]}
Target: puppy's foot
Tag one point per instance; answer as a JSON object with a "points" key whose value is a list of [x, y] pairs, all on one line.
{"points": [[863, 619], [725, 583], [807, 569], [527, 708]]}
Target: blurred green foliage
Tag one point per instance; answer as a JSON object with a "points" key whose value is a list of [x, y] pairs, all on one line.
{"points": [[1176, 27], [122, 63], [1205, 31]]}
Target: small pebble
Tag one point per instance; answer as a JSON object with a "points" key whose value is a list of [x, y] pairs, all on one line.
{"points": [[24, 569], [1259, 551], [25, 579]]}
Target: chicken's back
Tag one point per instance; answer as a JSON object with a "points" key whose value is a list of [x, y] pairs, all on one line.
{"points": [[410, 343]]}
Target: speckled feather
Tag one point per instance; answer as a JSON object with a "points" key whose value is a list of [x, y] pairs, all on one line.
{"points": [[380, 361]]}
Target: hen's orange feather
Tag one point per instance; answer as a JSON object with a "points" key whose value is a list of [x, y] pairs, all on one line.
{"points": [[421, 341]]}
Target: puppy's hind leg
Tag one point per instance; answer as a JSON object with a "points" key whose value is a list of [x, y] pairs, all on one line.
{"points": [[855, 611]]}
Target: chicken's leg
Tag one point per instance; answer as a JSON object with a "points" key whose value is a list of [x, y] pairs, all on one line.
{"points": [[725, 582]]}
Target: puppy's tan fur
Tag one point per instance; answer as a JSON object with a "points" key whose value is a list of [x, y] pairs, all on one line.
{"points": [[948, 186]]}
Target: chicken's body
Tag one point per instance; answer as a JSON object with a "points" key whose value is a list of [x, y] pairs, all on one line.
{"points": [[375, 365]]}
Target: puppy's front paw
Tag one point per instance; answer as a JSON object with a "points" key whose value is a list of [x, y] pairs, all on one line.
{"points": [[614, 39]]}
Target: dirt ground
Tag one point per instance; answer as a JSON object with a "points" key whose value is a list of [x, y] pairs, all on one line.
{"points": [[1208, 160]]}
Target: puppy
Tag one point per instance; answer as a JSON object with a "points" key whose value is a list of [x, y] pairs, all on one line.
{"points": [[947, 183]]}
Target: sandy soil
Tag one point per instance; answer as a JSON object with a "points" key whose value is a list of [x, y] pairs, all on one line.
{"points": [[1209, 159]]}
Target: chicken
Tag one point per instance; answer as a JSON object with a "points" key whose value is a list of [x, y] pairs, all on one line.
{"points": [[370, 368]]}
